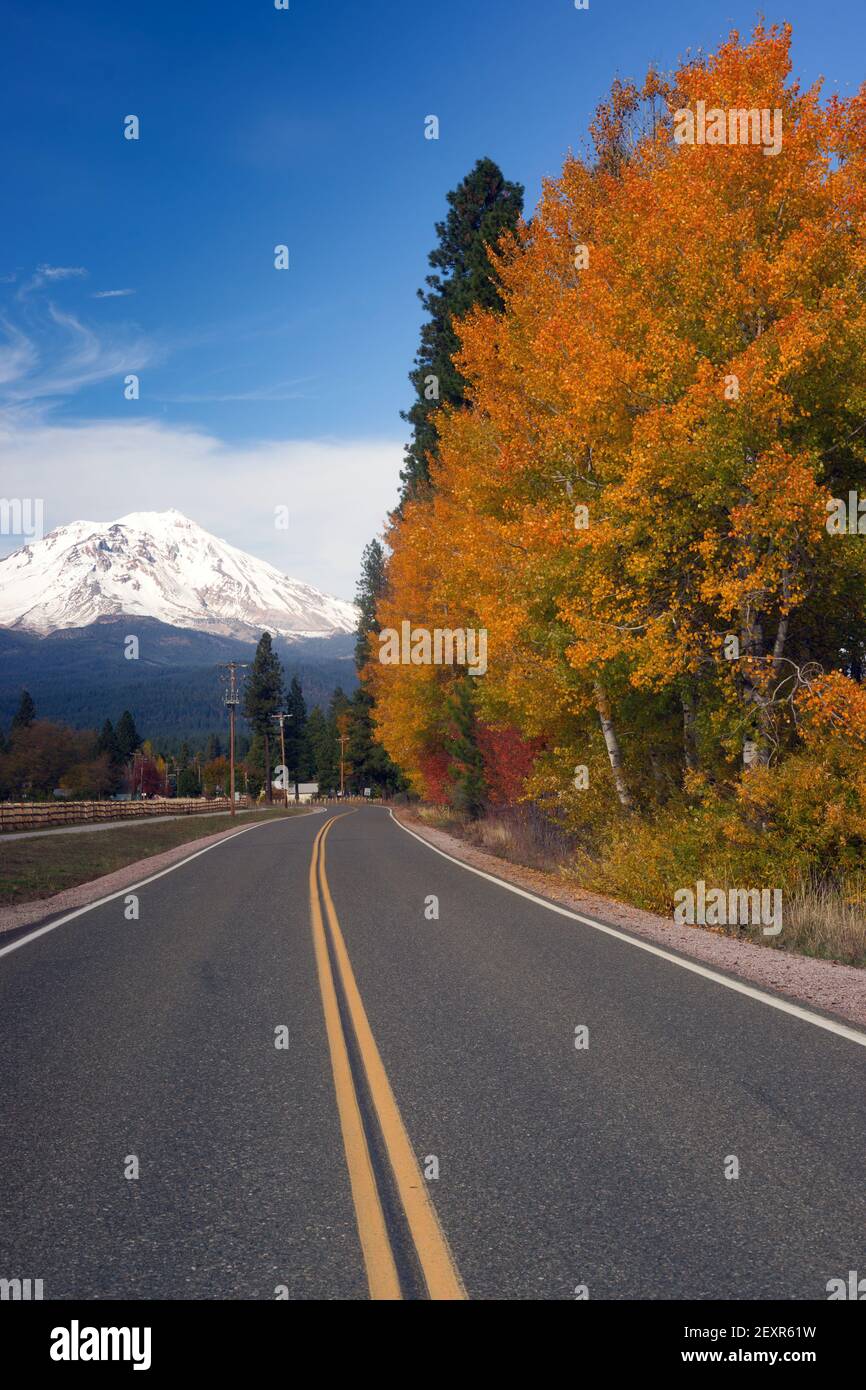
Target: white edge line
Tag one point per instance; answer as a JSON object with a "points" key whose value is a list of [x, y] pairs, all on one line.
{"points": [[142, 883], [828, 1024]]}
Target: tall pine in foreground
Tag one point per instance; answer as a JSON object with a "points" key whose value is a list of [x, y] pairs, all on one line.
{"points": [[480, 210], [263, 696]]}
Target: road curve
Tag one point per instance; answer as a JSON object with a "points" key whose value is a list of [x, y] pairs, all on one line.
{"points": [[431, 1129]]}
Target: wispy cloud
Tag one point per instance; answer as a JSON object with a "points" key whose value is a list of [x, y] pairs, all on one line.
{"points": [[18, 355], [279, 391], [111, 294], [49, 275], [47, 353]]}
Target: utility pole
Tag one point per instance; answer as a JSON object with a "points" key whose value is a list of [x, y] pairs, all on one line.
{"points": [[232, 701], [344, 739], [281, 719]]}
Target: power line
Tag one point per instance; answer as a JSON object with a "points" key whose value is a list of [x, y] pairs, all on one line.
{"points": [[232, 701]]}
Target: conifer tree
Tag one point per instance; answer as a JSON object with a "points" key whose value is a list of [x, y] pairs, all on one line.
{"points": [[26, 712], [469, 793], [263, 697], [213, 748], [370, 586], [107, 743], [297, 746], [319, 748], [480, 209], [128, 738]]}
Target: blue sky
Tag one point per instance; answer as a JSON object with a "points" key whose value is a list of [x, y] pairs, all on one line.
{"points": [[259, 127]]}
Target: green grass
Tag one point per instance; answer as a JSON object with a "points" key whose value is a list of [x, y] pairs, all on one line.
{"points": [[36, 868]]}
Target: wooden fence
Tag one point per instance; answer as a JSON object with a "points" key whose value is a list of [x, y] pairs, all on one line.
{"points": [[34, 815]]}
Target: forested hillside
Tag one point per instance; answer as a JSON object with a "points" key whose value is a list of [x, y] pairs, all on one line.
{"points": [[79, 676]]}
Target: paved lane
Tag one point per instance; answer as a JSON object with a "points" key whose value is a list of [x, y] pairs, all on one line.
{"points": [[156, 1039], [602, 1167], [449, 1043]]}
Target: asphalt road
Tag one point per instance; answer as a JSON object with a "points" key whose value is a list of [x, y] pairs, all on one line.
{"points": [[416, 1044]]}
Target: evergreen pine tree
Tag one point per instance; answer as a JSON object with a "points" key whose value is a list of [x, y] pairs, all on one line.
{"points": [[255, 765], [367, 593], [26, 712], [297, 746], [263, 697], [213, 748], [328, 757], [188, 783], [317, 744], [371, 766], [469, 790], [481, 209], [107, 742], [128, 738]]}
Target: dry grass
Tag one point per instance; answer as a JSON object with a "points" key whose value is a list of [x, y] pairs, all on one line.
{"points": [[521, 834], [827, 920], [37, 868], [824, 919]]}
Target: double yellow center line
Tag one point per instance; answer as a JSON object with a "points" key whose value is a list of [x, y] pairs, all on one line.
{"points": [[431, 1248]]}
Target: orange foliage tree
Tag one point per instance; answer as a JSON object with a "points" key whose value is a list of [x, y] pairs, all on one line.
{"points": [[634, 503]]}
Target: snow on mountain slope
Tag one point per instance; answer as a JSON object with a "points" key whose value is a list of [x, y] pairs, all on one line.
{"points": [[158, 565]]}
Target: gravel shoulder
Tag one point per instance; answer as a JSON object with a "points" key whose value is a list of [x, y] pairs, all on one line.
{"points": [[823, 985]]}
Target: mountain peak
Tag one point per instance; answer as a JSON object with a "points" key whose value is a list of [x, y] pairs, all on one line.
{"points": [[159, 565], [170, 517]]}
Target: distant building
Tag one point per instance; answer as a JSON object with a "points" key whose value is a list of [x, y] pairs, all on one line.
{"points": [[306, 791]]}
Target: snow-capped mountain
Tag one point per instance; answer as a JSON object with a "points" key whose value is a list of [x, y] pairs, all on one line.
{"points": [[159, 565]]}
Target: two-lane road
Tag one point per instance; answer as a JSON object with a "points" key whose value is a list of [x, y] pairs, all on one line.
{"points": [[430, 1128]]}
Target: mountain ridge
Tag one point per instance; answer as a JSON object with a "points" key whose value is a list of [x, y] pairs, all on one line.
{"points": [[80, 676], [163, 566]]}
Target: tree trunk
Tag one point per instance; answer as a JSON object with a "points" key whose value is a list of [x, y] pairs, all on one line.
{"points": [[690, 736], [752, 650], [269, 791], [613, 749], [779, 644]]}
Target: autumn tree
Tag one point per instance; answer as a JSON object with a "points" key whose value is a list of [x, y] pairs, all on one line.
{"points": [[633, 501]]}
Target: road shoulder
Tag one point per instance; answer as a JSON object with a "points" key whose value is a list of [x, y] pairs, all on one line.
{"points": [[16, 917], [835, 989]]}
